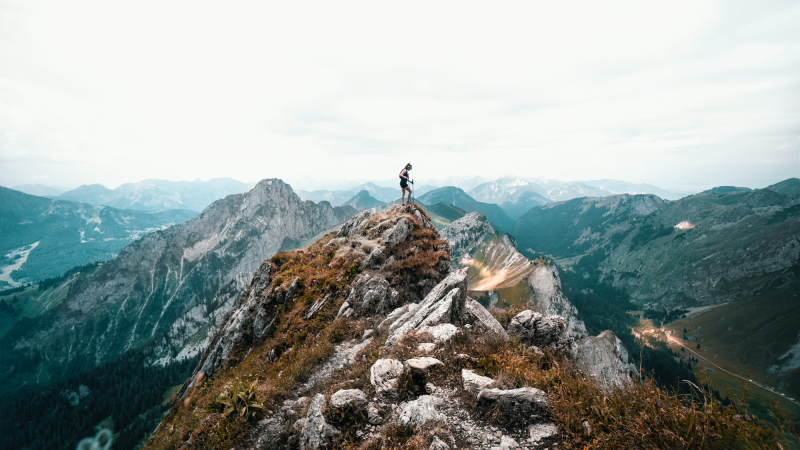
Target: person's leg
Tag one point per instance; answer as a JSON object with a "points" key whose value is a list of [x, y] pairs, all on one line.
{"points": [[403, 196]]}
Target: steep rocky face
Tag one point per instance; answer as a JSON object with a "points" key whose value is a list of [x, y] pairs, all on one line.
{"points": [[466, 233], [169, 289], [717, 246], [548, 299]]}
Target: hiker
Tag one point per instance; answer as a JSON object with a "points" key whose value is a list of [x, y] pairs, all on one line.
{"points": [[404, 180]]}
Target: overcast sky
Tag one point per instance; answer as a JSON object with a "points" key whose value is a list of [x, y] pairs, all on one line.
{"points": [[688, 93]]}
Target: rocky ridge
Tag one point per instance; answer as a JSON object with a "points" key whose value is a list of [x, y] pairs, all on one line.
{"points": [[415, 325], [169, 289]]}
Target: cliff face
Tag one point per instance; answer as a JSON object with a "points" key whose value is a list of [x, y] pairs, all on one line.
{"points": [[169, 289]]}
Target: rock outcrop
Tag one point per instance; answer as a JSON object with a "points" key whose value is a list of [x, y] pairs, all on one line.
{"points": [[534, 329], [316, 432], [604, 358], [466, 233], [549, 300]]}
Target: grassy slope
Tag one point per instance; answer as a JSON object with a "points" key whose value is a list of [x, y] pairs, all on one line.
{"points": [[749, 336]]}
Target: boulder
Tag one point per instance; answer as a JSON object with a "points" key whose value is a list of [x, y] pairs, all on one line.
{"points": [[397, 317], [482, 319], [540, 431], [345, 397], [375, 257], [316, 432], [372, 290], [474, 383], [427, 347], [534, 329], [547, 295], [525, 396], [440, 333], [421, 366], [383, 375], [398, 233], [605, 359], [355, 224], [444, 304], [420, 411]]}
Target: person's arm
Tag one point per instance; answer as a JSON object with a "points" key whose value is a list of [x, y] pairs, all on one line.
{"points": [[404, 173]]}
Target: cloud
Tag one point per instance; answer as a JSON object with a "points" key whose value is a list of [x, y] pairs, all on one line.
{"points": [[683, 92]]}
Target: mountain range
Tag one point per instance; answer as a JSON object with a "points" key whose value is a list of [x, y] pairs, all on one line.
{"points": [[42, 237], [339, 197], [167, 290], [157, 195], [458, 198]]}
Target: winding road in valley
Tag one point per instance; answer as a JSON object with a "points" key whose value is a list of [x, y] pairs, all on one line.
{"points": [[748, 380]]}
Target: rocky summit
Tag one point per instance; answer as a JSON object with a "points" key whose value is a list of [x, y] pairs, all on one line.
{"points": [[368, 338]]}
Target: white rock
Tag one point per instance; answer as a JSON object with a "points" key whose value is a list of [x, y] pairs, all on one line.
{"points": [[316, 431], [440, 333], [507, 442], [348, 396], [525, 395], [483, 318], [444, 304], [383, 374], [426, 347], [421, 366], [474, 383], [540, 431], [420, 411]]}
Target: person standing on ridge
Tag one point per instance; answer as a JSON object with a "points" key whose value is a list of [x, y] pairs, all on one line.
{"points": [[404, 180]]}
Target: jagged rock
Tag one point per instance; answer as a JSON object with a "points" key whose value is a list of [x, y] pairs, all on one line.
{"points": [[444, 304], [231, 334], [348, 396], [375, 257], [316, 306], [316, 431], [355, 224], [540, 431], [398, 233], [421, 366], [299, 424], [480, 317], [374, 415], [534, 329], [551, 301], [345, 310], [291, 291], [440, 333], [466, 233], [438, 444], [420, 411], [383, 374], [521, 396], [369, 290], [604, 358], [397, 317], [367, 333], [474, 383]]}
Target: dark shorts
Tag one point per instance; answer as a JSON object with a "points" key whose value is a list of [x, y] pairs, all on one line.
{"points": [[403, 183]]}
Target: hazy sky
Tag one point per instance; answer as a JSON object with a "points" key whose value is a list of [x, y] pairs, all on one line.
{"points": [[680, 93]]}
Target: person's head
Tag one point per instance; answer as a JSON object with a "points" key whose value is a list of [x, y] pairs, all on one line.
{"points": [[408, 166]]}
